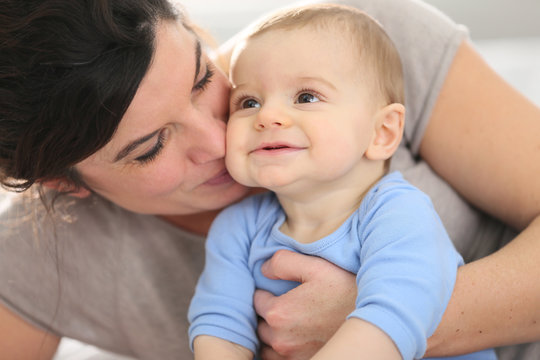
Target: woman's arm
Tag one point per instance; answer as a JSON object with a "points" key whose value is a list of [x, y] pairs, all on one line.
{"points": [[483, 139], [20, 340], [495, 300]]}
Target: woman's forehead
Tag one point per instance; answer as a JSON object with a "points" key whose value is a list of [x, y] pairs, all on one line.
{"points": [[165, 88], [175, 48]]}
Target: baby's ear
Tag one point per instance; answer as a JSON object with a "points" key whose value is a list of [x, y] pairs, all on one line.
{"points": [[389, 122], [63, 185]]}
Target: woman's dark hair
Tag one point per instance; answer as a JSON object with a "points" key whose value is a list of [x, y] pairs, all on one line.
{"points": [[68, 72]]}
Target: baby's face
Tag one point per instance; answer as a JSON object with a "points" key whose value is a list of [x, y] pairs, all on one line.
{"points": [[300, 111]]}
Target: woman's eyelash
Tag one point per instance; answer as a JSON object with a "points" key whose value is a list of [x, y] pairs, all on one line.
{"points": [[207, 78], [154, 152]]}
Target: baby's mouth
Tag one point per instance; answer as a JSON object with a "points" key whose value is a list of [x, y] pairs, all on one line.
{"points": [[275, 147]]}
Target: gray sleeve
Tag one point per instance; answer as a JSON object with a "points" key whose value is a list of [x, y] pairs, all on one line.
{"points": [[46, 261], [26, 263], [427, 41]]}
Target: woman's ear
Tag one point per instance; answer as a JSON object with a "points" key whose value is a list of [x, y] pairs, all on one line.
{"points": [[65, 186], [389, 122]]}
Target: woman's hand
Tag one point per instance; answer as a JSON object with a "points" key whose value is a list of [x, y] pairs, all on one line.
{"points": [[297, 324]]}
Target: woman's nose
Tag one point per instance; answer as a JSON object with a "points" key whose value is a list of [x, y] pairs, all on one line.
{"points": [[207, 142]]}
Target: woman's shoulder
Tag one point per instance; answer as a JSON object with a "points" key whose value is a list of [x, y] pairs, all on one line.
{"points": [[419, 12]]}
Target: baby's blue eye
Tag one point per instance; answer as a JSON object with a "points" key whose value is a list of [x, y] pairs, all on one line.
{"points": [[250, 103], [306, 98]]}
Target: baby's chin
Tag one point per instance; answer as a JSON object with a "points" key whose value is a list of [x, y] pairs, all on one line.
{"points": [[268, 180], [268, 184], [244, 178]]}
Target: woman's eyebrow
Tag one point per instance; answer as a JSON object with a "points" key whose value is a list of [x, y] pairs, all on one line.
{"points": [[133, 145]]}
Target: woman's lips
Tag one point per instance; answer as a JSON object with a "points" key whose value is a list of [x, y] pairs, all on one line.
{"points": [[222, 178]]}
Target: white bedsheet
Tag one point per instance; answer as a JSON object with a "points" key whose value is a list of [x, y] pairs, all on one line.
{"points": [[70, 349]]}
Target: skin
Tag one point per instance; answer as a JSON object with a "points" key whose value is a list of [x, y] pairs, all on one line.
{"points": [[504, 283], [23, 341]]}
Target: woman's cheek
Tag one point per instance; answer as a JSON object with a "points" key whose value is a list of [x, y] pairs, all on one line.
{"points": [[166, 177]]}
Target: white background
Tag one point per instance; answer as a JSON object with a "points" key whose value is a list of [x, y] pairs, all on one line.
{"points": [[484, 18]]}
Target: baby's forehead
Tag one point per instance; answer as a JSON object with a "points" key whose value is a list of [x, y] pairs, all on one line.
{"points": [[339, 34], [312, 44]]}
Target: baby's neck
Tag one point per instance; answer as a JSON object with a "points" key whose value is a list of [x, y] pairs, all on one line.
{"points": [[319, 214], [309, 226]]}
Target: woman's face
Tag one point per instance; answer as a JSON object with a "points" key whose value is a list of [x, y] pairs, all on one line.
{"points": [[167, 155]]}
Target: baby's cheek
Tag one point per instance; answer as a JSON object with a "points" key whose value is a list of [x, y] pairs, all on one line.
{"points": [[343, 157], [236, 152], [236, 164]]}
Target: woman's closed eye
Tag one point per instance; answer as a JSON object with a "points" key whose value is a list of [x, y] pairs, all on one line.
{"points": [[152, 154]]}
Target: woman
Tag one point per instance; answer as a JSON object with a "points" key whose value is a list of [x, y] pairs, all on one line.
{"points": [[115, 103]]}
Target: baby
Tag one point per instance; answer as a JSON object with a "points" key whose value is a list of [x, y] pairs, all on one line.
{"points": [[316, 113]]}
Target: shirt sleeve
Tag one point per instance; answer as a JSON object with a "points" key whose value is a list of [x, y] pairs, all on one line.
{"points": [[58, 269], [407, 272], [223, 302], [427, 41]]}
